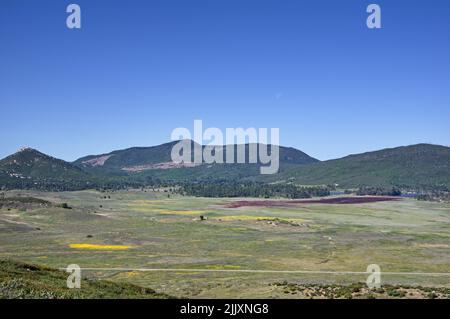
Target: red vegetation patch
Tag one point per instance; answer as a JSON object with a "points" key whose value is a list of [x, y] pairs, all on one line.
{"points": [[335, 200]]}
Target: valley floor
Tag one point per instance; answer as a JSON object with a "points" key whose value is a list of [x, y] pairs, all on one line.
{"points": [[119, 235]]}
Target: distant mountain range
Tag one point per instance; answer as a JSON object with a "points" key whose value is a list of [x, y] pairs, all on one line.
{"points": [[415, 166]]}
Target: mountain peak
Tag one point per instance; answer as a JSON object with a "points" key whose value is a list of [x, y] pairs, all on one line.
{"points": [[138, 159], [29, 153], [27, 149], [29, 166]]}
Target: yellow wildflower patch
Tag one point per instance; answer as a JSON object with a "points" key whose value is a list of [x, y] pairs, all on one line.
{"points": [[243, 217], [132, 273], [94, 246], [179, 212], [223, 267]]}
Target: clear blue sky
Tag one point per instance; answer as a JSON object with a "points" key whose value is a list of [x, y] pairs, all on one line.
{"points": [[138, 69]]}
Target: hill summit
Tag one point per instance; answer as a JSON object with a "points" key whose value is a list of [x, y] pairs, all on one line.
{"points": [[419, 165], [140, 159], [29, 167]]}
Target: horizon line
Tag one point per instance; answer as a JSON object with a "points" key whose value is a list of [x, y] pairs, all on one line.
{"points": [[223, 145]]}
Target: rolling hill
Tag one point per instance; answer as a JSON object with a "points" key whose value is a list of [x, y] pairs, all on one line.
{"points": [[19, 280], [421, 165], [150, 160], [30, 167], [122, 161]]}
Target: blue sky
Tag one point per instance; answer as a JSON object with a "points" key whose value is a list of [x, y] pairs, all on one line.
{"points": [[138, 69]]}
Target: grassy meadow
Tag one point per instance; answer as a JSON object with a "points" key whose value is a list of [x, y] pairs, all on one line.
{"points": [[152, 230]]}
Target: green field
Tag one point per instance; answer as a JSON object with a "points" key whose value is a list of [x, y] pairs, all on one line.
{"points": [[150, 230]]}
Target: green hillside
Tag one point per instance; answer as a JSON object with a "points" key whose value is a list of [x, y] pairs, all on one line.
{"points": [[156, 161], [30, 167], [115, 161], [421, 165], [23, 281], [415, 166]]}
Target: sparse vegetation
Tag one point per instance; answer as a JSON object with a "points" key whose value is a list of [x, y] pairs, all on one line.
{"points": [[22, 202], [137, 229], [440, 194], [25, 281], [361, 291]]}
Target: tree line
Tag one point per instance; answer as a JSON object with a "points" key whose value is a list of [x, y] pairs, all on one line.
{"points": [[226, 188], [379, 191]]}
